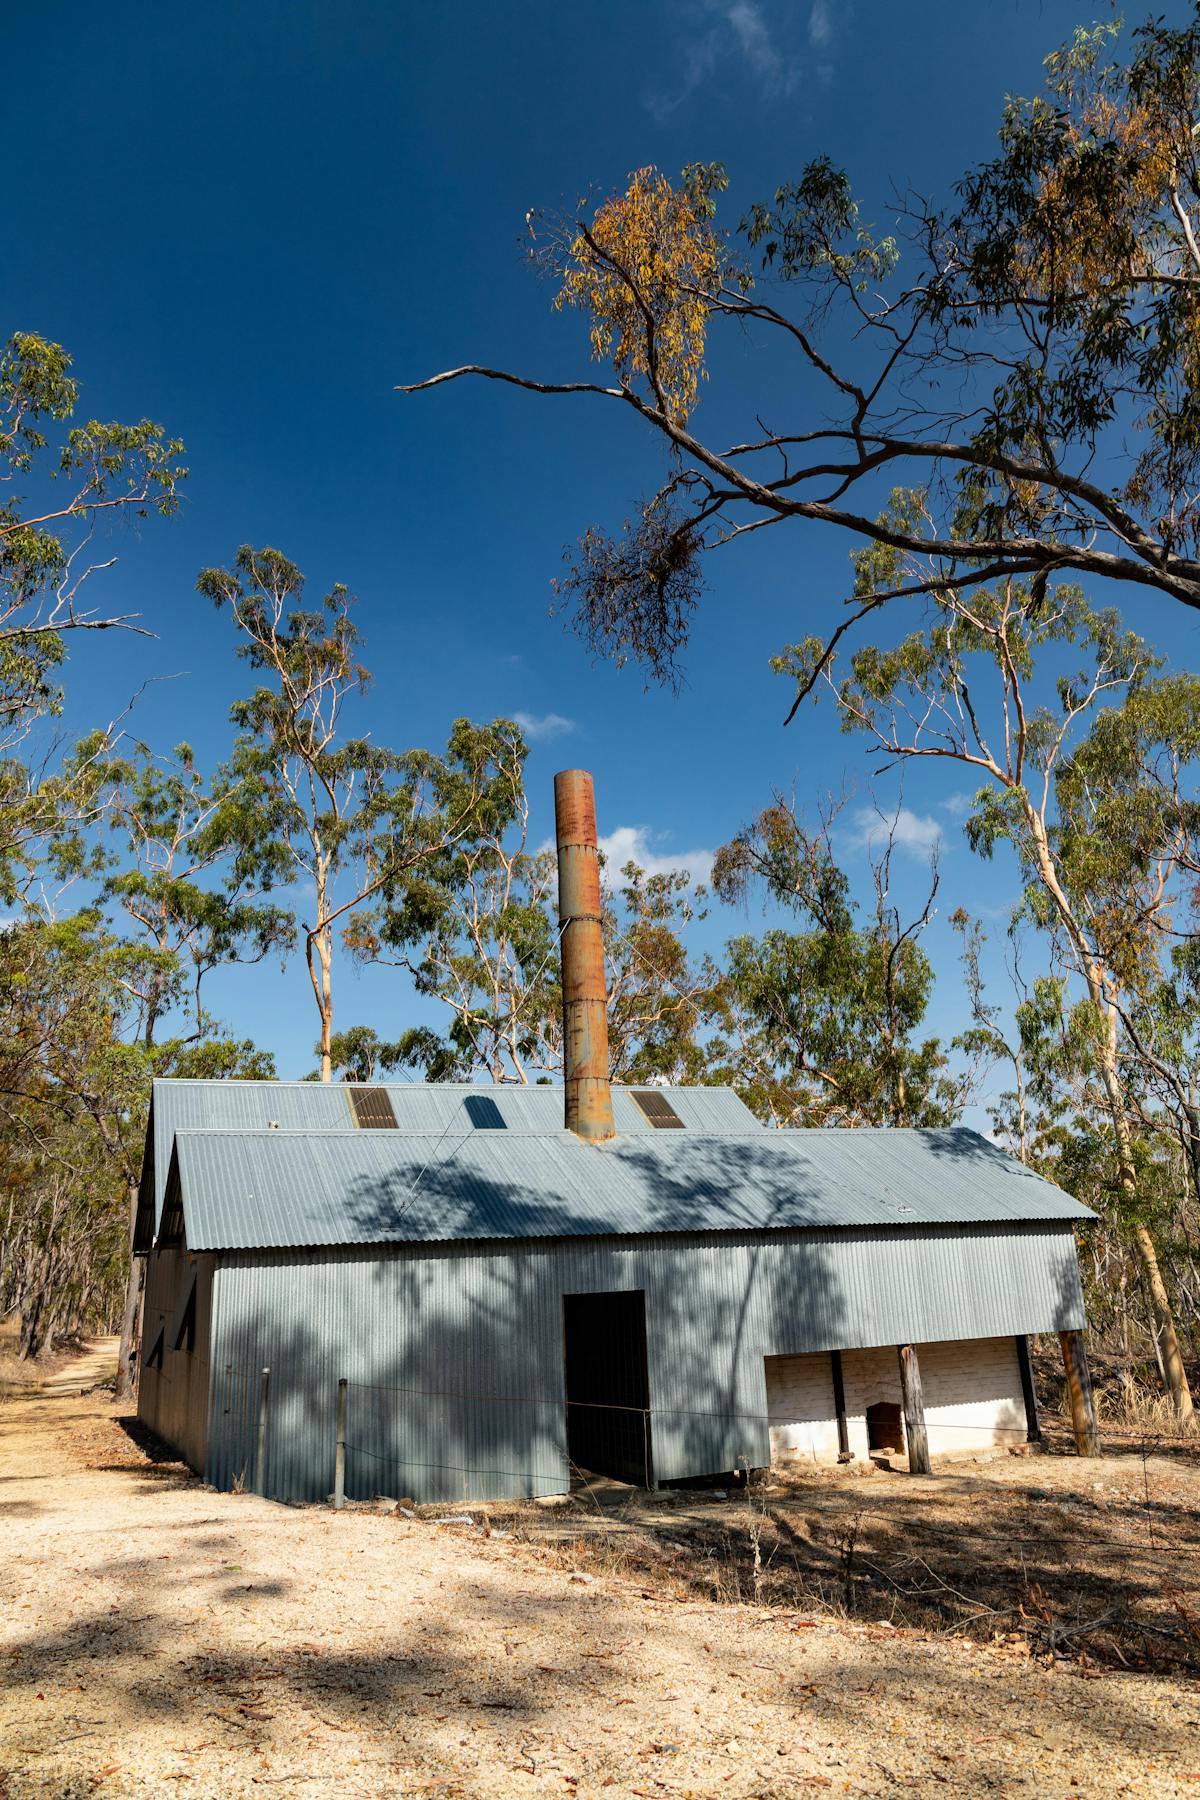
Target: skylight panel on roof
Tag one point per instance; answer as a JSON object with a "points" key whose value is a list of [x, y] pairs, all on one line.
{"points": [[658, 1109], [483, 1112], [372, 1108]]}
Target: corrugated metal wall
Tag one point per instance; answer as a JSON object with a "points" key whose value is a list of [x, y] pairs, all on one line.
{"points": [[455, 1353], [173, 1400]]}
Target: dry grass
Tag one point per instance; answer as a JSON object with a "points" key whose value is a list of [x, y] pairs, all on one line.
{"points": [[1099, 1561], [17, 1376], [1128, 1400]]}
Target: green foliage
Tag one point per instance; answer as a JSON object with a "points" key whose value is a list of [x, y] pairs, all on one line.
{"points": [[191, 858], [360, 1054], [75, 1076], [1094, 792], [813, 228], [373, 833], [1083, 216], [475, 926], [819, 1026], [101, 469]]}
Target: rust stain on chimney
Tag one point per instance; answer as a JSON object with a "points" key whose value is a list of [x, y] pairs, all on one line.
{"points": [[585, 1000]]}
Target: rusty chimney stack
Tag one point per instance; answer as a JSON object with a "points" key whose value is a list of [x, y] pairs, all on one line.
{"points": [[585, 1001]]}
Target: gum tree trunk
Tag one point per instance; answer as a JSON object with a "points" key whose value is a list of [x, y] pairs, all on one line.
{"points": [[127, 1355]]}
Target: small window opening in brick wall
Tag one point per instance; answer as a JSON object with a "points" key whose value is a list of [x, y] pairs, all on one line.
{"points": [[885, 1427]]}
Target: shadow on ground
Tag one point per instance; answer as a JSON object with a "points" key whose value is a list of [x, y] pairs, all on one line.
{"points": [[1096, 1561]]}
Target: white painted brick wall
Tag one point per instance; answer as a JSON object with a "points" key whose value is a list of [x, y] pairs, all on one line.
{"points": [[800, 1407], [972, 1389], [973, 1394]]}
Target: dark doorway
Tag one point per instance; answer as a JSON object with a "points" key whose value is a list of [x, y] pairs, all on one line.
{"points": [[608, 1385], [885, 1428]]}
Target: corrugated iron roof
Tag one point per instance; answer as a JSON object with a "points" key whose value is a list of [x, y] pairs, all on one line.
{"points": [[419, 1108], [274, 1189]]}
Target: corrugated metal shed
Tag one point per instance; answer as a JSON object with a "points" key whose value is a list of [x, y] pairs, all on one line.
{"points": [[277, 1189], [454, 1352], [430, 1266]]}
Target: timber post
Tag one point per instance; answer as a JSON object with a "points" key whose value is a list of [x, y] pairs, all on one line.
{"points": [[260, 1448], [914, 1411], [339, 1454], [1079, 1389], [1033, 1429], [839, 1403]]}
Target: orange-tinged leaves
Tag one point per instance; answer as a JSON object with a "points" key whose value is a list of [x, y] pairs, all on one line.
{"points": [[646, 271]]}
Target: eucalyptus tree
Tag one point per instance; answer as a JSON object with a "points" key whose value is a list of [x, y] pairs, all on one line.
{"points": [[473, 926], [1015, 685], [184, 883], [1130, 802], [360, 1054], [819, 1026], [989, 1040], [69, 1073], [347, 819], [1129, 825], [97, 472], [179, 894], [62, 1245], [75, 1077], [78, 1048], [662, 998], [476, 927], [1026, 352], [63, 488]]}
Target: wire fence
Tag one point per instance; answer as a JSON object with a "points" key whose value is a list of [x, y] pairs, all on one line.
{"points": [[284, 1435], [257, 1412]]}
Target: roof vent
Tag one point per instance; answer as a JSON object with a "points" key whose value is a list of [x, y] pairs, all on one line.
{"points": [[372, 1108], [658, 1109]]}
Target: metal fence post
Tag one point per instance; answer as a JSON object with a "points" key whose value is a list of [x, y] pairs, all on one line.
{"points": [[339, 1459], [260, 1452]]}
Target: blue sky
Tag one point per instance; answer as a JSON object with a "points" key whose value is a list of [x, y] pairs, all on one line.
{"points": [[252, 222]]}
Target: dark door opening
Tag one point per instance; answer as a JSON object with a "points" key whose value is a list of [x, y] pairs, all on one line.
{"points": [[885, 1427], [608, 1385]]}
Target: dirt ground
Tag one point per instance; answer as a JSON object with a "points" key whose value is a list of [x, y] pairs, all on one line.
{"points": [[157, 1638], [1099, 1561]]}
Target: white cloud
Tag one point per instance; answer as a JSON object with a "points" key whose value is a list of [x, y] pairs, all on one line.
{"points": [[745, 19], [634, 843], [958, 805], [541, 729], [698, 62], [820, 25], [916, 833], [736, 28]]}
